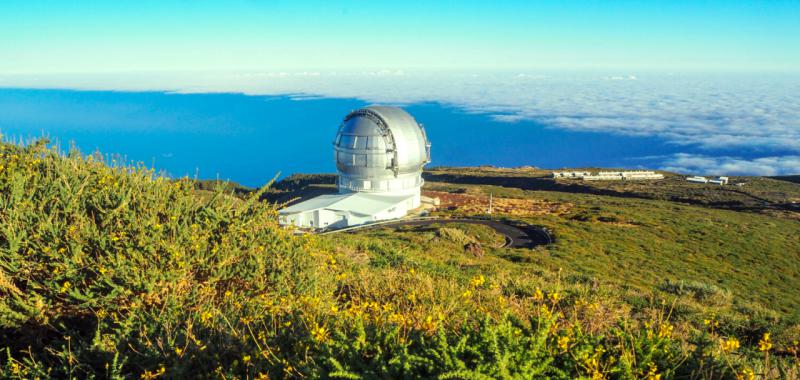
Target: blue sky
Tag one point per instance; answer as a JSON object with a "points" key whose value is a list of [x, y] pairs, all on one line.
{"points": [[38, 37], [716, 79]]}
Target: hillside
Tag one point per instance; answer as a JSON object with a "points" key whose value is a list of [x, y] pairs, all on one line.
{"points": [[629, 234], [118, 273], [773, 196]]}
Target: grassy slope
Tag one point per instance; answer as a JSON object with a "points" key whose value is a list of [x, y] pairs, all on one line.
{"points": [[756, 257], [752, 254], [117, 273]]}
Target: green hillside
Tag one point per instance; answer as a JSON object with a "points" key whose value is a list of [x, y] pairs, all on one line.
{"points": [[642, 243], [118, 273]]}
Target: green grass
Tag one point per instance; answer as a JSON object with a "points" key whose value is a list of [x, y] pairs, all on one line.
{"points": [[118, 273], [641, 243]]}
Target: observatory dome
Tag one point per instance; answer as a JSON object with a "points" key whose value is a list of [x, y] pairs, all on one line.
{"points": [[381, 149], [380, 152]]}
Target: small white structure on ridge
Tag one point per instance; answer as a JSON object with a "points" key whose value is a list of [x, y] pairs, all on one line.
{"points": [[722, 181], [379, 152], [610, 176], [697, 179], [570, 174]]}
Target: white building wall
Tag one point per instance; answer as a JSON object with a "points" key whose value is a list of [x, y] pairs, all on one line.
{"points": [[337, 218], [398, 211], [330, 218]]}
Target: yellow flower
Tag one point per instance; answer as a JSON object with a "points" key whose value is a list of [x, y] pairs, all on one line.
{"points": [[246, 358], [563, 343], [554, 297], [178, 351], [150, 375], [538, 295], [665, 330], [730, 344], [746, 374], [711, 322], [501, 300], [477, 281], [397, 318], [765, 344], [429, 324], [653, 374], [65, 286], [15, 369], [466, 294], [206, 316], [319, 333]]}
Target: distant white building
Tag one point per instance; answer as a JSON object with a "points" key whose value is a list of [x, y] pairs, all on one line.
{"points": [[624, 176], [379, 152], [570, 174], [719, 181], [697, 179], [716, 181]]}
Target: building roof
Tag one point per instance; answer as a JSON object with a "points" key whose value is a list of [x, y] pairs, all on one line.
{"points": [[356, 203]]}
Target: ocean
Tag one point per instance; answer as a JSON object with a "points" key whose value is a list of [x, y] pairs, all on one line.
{"points": [[250, 139]]}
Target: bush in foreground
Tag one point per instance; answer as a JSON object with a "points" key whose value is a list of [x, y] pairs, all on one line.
{"points": [[113, 272]]}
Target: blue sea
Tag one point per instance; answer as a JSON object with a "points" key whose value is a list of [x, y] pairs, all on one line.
{"points": [[250, 139]]}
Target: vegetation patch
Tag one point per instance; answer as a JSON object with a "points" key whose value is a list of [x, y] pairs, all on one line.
{"points": [[115, 272]]}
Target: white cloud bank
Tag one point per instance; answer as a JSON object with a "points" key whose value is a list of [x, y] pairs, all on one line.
{"points": [[700, 164], [718, 112]]}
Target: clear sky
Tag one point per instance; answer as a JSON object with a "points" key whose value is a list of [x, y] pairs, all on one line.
{"points": [[188, 35]]}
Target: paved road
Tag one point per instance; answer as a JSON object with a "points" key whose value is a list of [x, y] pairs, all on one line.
{"points": [[522, 236]]}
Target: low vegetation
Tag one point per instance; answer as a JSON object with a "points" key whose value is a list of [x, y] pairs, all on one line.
{"points": [[776, 196], [115, 272]]}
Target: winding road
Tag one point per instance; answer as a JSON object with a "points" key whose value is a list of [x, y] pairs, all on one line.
{"points": [[516, 235]]}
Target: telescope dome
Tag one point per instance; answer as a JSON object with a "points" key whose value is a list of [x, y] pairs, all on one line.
{"points": [[381, 149]]}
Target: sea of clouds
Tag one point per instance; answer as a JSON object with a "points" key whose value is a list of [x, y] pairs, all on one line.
{"points": [[728, 123]]}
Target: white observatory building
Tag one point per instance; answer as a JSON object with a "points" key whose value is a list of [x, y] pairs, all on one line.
{"points": [[380, 152]]}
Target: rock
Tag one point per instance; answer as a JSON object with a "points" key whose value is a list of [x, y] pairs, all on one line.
{"points": [[474, 248]]}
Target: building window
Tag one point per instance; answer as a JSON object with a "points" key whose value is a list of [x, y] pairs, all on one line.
{"points": [[360, 142], [360, 160]]}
